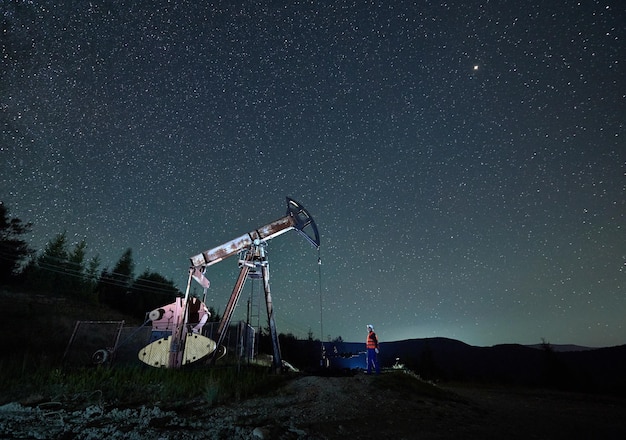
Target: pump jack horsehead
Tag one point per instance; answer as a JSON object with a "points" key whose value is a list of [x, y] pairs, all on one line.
{"points": [[176, 328]]}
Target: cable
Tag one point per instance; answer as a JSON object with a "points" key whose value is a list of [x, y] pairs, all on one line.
{"points": [[319, 283]]}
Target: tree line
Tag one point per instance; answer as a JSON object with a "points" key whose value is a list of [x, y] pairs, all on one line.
{"points": [[63, 269]]}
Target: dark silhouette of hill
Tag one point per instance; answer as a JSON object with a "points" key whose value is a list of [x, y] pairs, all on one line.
{"points": [[563, 347], [442, 359]]}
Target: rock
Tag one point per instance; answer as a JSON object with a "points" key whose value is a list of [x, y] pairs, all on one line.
{"points": [[262, 433]]}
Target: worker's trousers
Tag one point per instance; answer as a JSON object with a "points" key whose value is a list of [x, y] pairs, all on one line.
{"points": [[372, 360]]}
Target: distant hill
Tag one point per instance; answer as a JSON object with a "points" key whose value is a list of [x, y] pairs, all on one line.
{"points": [[563, 347], [563, 367]]}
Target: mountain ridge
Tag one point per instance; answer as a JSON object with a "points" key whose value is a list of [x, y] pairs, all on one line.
{"points": [[444, 359]]}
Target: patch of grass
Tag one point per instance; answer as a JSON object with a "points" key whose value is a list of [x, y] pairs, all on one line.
{"points": [[31, 365], [135, 385]]}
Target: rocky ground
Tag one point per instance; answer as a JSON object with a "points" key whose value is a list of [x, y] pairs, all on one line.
{"points": [[320, 407]]}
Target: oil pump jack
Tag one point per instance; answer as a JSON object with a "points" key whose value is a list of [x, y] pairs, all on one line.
{"points": [[177, 338]]}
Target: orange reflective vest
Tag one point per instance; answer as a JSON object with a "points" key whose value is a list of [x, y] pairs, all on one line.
{"points": [[372, 340]]}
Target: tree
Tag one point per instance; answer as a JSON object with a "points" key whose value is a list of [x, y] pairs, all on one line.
{"points": [[91, 277], [125, 267], [113, 285], [148, 292], [215, 316], [48, 271], [13, 249], [62, 271], [76, 258], [75, 269]]}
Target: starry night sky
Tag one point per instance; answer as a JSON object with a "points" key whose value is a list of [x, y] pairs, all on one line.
{"points": [[465, 161]]}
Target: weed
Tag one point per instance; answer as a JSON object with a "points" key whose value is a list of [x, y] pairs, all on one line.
{"points": [[211, 392]]}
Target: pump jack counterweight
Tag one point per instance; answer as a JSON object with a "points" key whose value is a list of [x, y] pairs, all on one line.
{"points": [[169, 351]]}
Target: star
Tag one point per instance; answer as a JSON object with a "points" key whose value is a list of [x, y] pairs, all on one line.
{"points": [[450, 202]]}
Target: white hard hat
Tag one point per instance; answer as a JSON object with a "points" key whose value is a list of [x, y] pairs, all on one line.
{"points": [[370, 326]]}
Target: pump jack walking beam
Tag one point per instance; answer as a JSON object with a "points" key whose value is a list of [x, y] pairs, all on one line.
{"points": [[252, 245], [297, 218]]}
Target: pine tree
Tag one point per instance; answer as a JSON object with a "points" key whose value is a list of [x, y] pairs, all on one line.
{"points": [[49, 271], [75, 270], [91, 278], [148, 292], [114, 285], [13, 249]]}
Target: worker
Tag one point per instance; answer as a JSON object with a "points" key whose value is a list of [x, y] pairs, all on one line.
{"points": [[372, 350]]}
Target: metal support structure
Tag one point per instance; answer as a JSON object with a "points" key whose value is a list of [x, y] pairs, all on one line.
{"points": [[233, 300], [277, 361], [252, 247], [254, 258], [179, 333]]}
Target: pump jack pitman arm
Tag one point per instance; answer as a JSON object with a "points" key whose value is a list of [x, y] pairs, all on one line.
{"points": [[297, 218]]}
